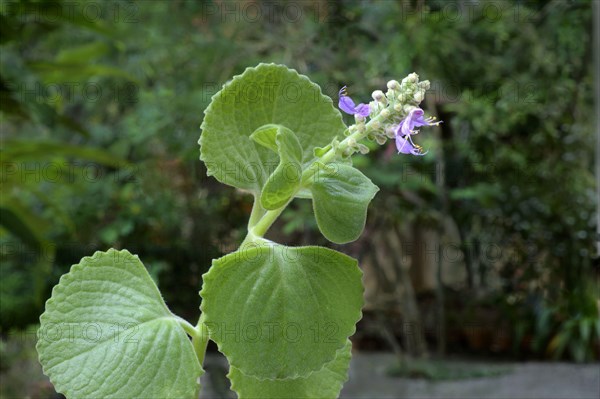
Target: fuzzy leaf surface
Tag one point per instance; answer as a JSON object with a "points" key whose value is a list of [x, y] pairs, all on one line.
{"points": [[107, 333], [282, 312], [285, 179], [341, 195], [265, 94]]}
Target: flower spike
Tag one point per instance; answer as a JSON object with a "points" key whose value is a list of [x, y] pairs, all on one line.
{"points": [[395, 114]]}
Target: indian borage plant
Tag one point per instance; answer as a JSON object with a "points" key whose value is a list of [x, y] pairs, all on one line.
{"points": [[281, 315]]}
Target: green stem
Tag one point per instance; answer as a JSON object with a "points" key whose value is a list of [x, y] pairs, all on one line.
{"points": [[188, 328], [332, 153], [257, 213], [200, 341], [261, 227], [356, 135], [199, 336]]}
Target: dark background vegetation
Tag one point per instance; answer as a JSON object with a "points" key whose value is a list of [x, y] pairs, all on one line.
{"points": [[485, 246]]}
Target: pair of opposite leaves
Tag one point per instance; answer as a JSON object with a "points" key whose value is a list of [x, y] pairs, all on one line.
{"points": [[106, 331]]}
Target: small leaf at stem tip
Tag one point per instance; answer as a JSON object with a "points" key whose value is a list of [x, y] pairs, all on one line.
{"points": [[266, 136], [285, 179], [320, 151]]}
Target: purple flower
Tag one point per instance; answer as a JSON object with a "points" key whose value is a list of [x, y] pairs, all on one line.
{"points": [[406, 129], [415, 119], [347, 105], [405, 145]]}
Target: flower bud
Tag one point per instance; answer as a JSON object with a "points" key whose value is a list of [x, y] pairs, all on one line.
{"points": [[375, 125], [381, 139], [378, 96], [398, 107], [413, 78], [385, 113], [425, 85], [405, 96], [360, 120], [335, 145], [419, 96], [374, 106], [393, 85], [390, 132]]}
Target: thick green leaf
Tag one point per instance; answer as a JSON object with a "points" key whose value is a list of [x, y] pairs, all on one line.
{"points": [[106, 333], [285, 179], [281, 312], [325, 383], [266, 94], [341, 196]]}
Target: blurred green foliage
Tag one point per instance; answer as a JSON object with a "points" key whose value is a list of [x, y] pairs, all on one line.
{"points": [[20, 371], [100, 117]]}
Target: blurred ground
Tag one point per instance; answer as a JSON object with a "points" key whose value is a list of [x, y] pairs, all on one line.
{"points": [[527, 380], [369, 380], [21, 377]]}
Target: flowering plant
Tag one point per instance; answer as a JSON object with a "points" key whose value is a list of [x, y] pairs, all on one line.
{"points": [[281, 315]]}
